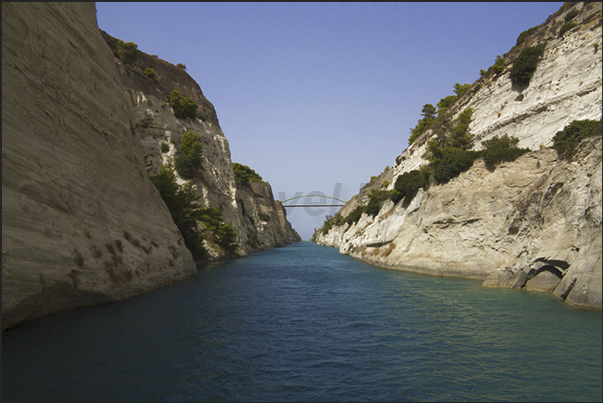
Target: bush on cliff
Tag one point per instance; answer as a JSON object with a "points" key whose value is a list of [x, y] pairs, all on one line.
{"points": [[460, 137], [566, 27], [190, 155], [222, 233], [452, 163], [499, 149], [127, 52], [377, 197], [525, 34], [524, 66], [184, 107], [182, 202], [407, 184], [244, 174], [566, 141]]}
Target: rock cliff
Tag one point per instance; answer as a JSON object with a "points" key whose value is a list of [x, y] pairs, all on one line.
{"points": [[82, 224], [534, 223], [215, 181]]}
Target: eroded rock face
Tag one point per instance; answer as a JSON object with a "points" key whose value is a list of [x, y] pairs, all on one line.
{"points": [[534, 223], [215, 180], [565, 87], [81, 222]]}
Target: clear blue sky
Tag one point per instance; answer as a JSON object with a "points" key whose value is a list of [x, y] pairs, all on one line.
{"points": [[312, 95]]}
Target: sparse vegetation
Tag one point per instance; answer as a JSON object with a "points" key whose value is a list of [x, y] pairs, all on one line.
{"points": [[497, 68], [525, 34], [182, 66], [127, 52], [566, 141], [165, 147], [184, 107]]}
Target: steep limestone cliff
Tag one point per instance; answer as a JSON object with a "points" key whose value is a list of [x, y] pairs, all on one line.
{"points": [[81, 222], [215, 181], [534, 223]]}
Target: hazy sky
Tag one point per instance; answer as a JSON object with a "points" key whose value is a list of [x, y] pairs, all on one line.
{"points": [[317, 97]]}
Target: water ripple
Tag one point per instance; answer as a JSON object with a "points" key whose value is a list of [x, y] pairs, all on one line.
{"points": [[305, 323]]}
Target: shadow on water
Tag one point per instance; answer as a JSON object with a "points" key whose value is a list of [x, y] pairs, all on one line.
{"points": [[305, 323]]}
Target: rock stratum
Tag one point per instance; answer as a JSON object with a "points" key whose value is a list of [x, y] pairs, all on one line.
{"points": [[534, 223], [82, 224]]}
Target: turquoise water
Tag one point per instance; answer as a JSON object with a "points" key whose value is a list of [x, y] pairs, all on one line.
{"points": [[305, 323]]}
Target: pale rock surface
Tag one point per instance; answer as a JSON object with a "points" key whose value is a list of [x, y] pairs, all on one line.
{"points": [[565, 87], [534, 223], [81, 222]]}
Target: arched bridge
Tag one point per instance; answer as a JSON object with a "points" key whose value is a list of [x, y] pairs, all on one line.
{"points": [[314, 205]]}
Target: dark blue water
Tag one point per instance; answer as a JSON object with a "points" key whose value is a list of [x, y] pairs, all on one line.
{"points": [[304, 323]]}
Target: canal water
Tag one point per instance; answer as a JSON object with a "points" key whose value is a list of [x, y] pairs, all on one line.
{"points": [[305, 323]]}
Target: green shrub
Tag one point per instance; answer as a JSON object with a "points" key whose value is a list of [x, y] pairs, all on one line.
{"points": [[524, 35], [127, 52], [566, 27], [264, 217], [182, 66], [407, 184], [184, 107], [184, 208], [453, 162], [499, 149], [460, 89], [377, 197], [224, 234], [460, 137], [571, 15], [429, 114], [566, 141], [244, 174], [524, 66], [446, 103], [355, 215], [190, 155], [150, 72], [165, 147], [497, 68]]}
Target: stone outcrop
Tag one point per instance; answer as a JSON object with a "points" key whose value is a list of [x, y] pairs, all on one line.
{"points": [[534, 223], [81, 222], [215, 180]]}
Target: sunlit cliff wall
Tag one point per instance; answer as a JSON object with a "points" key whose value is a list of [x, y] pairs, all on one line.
{"points": [[534, 223]]}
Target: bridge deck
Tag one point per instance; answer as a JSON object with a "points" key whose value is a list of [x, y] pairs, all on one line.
{"points": [[314, 205]]}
